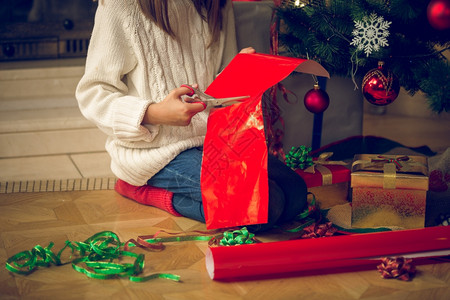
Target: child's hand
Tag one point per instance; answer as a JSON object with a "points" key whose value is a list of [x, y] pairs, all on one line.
{"points": [[172, 110], [248, 50]]}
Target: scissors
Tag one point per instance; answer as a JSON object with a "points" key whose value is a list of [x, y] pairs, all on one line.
{"points": [[211, 101]]}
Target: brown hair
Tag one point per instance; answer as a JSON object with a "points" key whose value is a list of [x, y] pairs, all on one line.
{"points": [[209, 10]]}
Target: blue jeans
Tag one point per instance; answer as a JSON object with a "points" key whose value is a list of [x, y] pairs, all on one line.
{"points": [[182, 177], [287, 190]]}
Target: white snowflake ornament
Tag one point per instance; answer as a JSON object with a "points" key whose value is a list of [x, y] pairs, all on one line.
{"points": [[370, 34]]}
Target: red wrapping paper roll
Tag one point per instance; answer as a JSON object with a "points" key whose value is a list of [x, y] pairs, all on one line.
{"points": [[307, 255]]}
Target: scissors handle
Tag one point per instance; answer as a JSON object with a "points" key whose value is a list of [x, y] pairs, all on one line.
{"points": [[192, 91]]}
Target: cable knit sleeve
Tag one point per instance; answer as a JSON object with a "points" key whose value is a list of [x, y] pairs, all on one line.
{"points": [[103, 93]]}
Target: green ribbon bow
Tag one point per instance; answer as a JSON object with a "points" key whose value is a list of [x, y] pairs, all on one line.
{"points": [[237, 237], [299, 158]]}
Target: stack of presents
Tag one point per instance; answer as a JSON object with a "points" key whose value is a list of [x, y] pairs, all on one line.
{"points": [[383, 190]]}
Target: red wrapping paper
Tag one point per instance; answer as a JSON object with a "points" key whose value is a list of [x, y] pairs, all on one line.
{"points": [[234, 179], [322, 255], [338, 174]]}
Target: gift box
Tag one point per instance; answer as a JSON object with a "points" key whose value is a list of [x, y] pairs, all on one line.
{"points": [[321, 171], [438, 196], [324, 175], [389, 191]]}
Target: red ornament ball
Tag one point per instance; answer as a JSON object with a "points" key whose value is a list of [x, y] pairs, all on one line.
{"points": [[438, 13], [380, 86], [316, 100]]}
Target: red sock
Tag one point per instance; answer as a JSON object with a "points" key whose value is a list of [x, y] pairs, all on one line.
{"points": [[148, 195]]}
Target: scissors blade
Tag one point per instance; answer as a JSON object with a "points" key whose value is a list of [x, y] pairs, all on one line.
{"points": [[216, 102]]}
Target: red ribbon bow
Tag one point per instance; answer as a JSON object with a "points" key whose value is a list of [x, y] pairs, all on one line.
{"points": [[397, 267], [396, 161], [317, 231]]}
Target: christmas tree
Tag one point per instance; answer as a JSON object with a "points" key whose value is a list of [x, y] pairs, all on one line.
{"points": [[349, 38]]}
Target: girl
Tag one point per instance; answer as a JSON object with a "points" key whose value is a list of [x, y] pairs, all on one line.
{"points": [[140, 53]]}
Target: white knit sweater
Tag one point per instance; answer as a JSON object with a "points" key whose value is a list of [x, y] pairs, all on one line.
{"points": [[132, 63]]}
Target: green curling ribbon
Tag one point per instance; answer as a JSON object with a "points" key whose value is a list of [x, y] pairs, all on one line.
{"points": [[156, 243], [305, 215], [299, 158], [26, 262], [96, 258], [154, 276], [174, 239], [312, 206], [237, 237], [307, 223]]}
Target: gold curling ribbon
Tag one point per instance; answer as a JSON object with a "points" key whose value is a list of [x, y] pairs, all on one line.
{"points": [[363, 163], [323, 160], [389, 176]]}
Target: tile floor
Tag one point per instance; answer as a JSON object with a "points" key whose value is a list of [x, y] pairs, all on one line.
{"points": [[55, 166]]}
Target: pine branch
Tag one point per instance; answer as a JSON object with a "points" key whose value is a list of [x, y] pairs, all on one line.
{"points": [[323, 32]]}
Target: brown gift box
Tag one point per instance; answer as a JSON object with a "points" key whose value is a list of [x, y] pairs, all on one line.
{"points": [[389, 191]]}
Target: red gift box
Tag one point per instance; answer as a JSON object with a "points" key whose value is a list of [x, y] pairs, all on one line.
{"points": [[324, 175], [324, 172]]}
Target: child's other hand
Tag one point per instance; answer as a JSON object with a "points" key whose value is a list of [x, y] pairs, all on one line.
{"points": [[172, 110], [248, 50]]}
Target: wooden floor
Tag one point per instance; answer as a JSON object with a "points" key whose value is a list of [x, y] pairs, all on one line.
{"points": [[30, 219]]}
